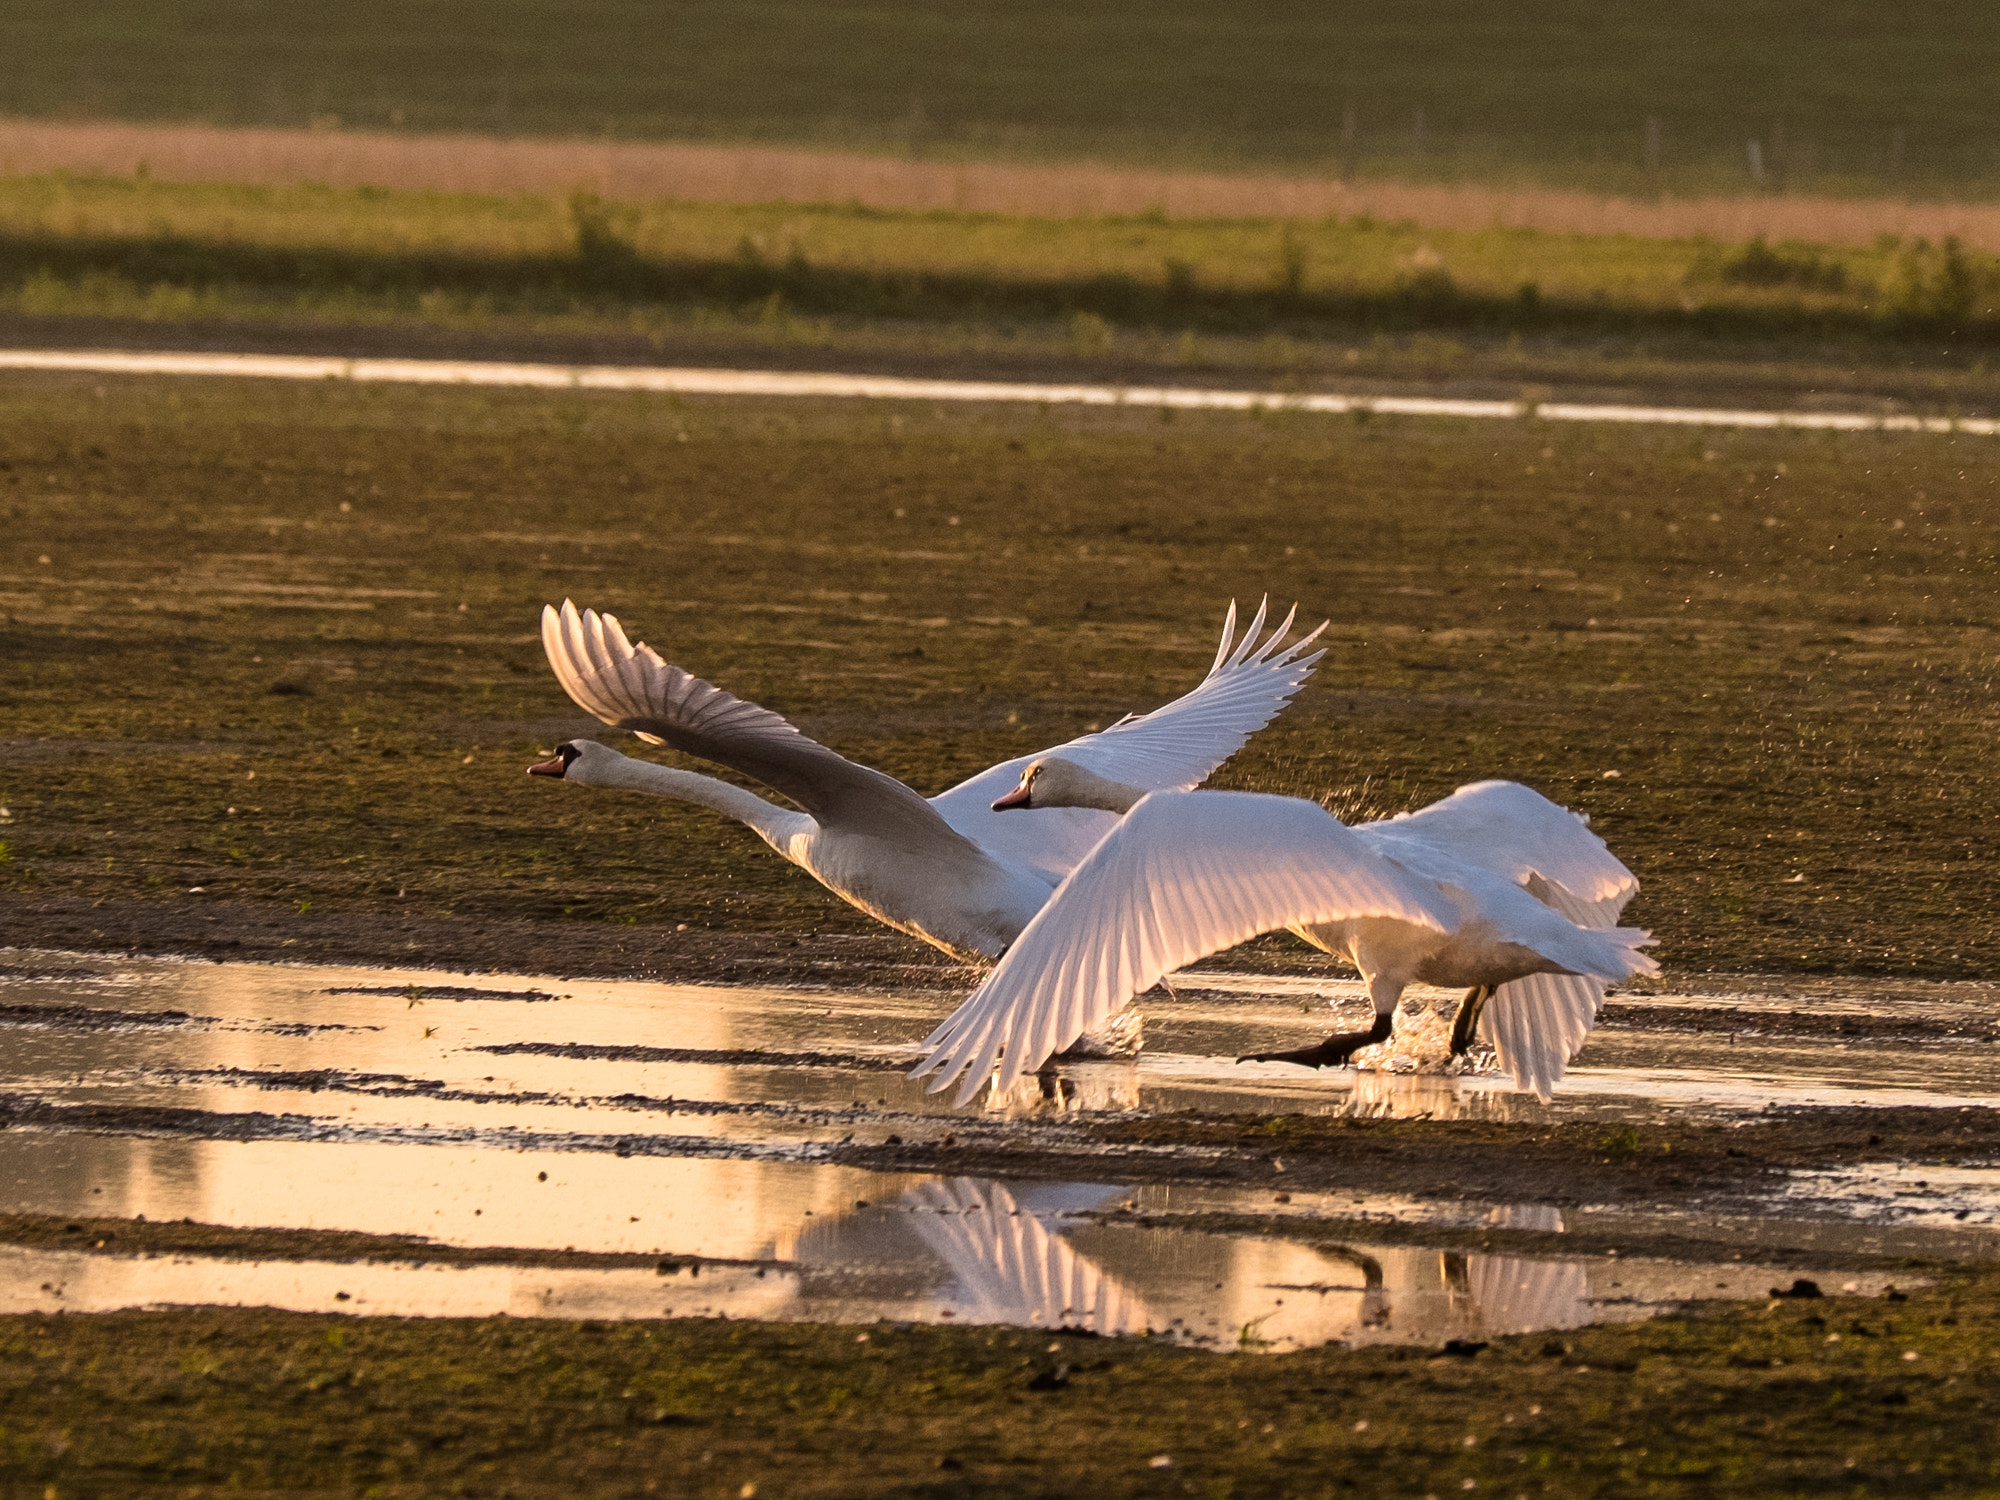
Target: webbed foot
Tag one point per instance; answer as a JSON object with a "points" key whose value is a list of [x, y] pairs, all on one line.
{"points": [[1335, 1051]]}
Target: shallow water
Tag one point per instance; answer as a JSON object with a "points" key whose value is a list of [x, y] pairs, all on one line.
{"points": [[680, 1121], [947, 1249], [789, 383]]}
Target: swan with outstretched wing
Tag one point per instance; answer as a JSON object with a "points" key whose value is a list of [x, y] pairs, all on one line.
{"points": [[946, 869], [1446, 896]]}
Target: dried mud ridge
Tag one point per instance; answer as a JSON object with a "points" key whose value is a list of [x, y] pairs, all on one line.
{"points": [[1893, 1030], [442, 992], [91, 1018], [135, 1237], [721, 1056]]}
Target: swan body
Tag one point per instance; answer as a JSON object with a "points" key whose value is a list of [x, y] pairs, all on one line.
{"points": [[947, 869], [1494, 888]]}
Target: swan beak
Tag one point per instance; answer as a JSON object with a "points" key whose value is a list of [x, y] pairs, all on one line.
{"points": [[1016, 798], [553, 767]]}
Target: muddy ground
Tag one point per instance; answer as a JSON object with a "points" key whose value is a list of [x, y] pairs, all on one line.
{"points": [[279, 667], [1834, 1395], [270, 679]]}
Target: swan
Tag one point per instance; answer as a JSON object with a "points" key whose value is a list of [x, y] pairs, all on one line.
{"points": [[946, 869], [1495, 887]]}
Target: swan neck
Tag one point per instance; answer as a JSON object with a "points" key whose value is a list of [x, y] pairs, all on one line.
{"points": [[1078, 787], [691, 786], [1113, 797]]}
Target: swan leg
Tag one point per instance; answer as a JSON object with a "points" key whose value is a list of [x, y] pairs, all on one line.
{"points": [[1467, 1024], [1336, 1050]]}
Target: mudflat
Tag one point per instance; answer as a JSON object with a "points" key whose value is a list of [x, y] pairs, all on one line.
{"points": [[272, 678], [272, 672]]}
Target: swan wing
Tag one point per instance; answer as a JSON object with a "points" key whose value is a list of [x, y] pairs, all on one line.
{"points": [[1537, 1024], [1183, 875], [632, 687], [1518, 834], [1176, 746]]}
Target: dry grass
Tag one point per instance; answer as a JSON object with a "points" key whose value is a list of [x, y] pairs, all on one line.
{"points": [[758, 174]]}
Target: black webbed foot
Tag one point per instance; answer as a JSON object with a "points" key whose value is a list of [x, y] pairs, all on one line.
{"points": [[1335, 1051]]}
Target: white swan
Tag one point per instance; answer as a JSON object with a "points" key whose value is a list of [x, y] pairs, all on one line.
{"points": [[1495, 887], [948, 869]]}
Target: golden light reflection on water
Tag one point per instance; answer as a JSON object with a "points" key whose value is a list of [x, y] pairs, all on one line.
{"points": [[680, 1122]]}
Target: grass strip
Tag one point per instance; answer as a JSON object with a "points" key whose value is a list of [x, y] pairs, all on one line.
{"points": [[1795, 1398], [1263, 299]]}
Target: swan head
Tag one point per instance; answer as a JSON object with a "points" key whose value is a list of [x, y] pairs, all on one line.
{"points": [[1055, 782], [581, 761]]}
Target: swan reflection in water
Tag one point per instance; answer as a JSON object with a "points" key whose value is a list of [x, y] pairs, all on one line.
{"points": [[1065, 1088], [1084, 1086], [981, 1251], [1433, 1096], [1011, 1269]]}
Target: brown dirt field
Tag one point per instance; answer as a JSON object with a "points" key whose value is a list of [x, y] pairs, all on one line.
{"points": [[759, 174]]}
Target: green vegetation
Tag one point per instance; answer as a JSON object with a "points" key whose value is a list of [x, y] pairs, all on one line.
{"points": [[1841, 97], [1264, 300], [1831, 1395], [279, 642]]}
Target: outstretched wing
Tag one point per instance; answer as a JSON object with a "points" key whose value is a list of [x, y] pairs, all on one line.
{"points": [[631, 687], [1539, 1023], [1183, 875], [1176, 746], [1518, 834]]}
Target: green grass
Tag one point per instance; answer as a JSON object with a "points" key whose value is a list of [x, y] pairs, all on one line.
{"points": [[1782, 643], [1835, 1396], [1554, 90], [1257, 298]]}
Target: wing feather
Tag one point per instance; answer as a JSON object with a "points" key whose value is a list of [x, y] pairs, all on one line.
{"points": [[1537, 1024], [1516, 832], [1176, 746], [632, 687], [1184, 875]]}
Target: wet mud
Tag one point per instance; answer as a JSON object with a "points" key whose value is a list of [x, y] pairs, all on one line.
{"points": [[227, 930]]}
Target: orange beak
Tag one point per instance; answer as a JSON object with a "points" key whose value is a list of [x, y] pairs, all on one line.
{"points": [[1016, 798], [553, 767]]}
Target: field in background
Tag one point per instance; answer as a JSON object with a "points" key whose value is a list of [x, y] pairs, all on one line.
{"points": [[279, 644], [1684, 96], [1147, 296], [637, 172]]}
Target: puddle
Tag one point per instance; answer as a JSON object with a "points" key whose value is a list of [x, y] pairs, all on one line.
{"points": [[938, 1250], [686, 1122]]}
